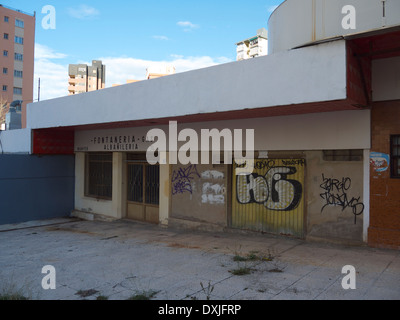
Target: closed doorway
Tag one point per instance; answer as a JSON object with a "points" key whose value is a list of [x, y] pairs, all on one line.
{"points": [[271, 199], [143, 194]]}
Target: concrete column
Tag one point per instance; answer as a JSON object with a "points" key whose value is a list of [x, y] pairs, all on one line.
{"points": [[119, 186], [79, 177], [165, 183]]}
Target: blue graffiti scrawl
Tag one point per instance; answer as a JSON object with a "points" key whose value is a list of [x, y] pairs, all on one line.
{"points": [[182, 179]]}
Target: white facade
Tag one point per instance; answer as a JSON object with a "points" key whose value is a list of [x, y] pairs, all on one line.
{"points": [[299, 22], [253, 47], [15, 141], [316, 131], [294, 77], [258, 47], [159, 70]]}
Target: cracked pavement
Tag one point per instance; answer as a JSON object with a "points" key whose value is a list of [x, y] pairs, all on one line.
{"points": [[122, 259]]}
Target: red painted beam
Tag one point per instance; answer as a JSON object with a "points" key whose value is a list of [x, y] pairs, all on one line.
{"points": [[53, 141]]}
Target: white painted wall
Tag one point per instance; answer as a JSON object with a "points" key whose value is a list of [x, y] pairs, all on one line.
{"points": [[386, 79], [316, 131], [311, 74], [299, 22], [15, 141]]}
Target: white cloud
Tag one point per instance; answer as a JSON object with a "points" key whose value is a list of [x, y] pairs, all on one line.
{"points": [[53, 73], [177, 56], [53, 80], [83, 12], [187, 25], [44, 52], [119, 70], [164, 38], [53, 76]]}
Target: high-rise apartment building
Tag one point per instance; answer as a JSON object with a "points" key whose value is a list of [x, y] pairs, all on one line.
{"points": [[84, 78], [253, 47], [155, 72], [17, 46]]}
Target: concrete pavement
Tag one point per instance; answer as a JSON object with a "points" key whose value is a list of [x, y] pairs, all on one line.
{"points": [[122, 259]]}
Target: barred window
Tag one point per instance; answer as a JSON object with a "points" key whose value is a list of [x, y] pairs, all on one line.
{"points": [[152, 184], [143, 183], [98, 175], [395, 156], [343, 155], [143, 180]]}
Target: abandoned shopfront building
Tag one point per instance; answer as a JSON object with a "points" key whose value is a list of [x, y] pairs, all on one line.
{"points": [[313, 110], [313, 189]]}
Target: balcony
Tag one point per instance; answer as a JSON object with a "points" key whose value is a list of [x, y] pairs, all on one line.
{"points": [[255, 51], [241, 47]]}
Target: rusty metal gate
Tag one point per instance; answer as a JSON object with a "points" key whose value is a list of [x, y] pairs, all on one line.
{"points": [[271, 199], [143, 183]]}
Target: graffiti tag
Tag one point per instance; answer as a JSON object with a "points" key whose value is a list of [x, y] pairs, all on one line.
{"points": [[182, 179], [274, 190], [335, 194]]}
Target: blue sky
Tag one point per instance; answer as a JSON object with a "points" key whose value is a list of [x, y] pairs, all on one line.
{"points": [[129, 36]]}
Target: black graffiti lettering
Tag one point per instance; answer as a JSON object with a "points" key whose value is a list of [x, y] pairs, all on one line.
{"points": [[265, 164], [251, 189], [335, 194], [294, 162], [280, 186], [275, 191], [335, 185], [259, 165]]}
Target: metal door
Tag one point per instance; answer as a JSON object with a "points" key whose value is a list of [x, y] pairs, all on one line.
{"points": [[271, 199], [143, 192]]}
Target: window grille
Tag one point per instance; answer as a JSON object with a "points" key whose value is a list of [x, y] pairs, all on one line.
{"points": [[395, 156], [343, 155], [98, 175]]}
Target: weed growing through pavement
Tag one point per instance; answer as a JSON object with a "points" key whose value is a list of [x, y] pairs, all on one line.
{"points": [[246, 263], [207, 290], [141, 289], [143, 295], [241, 271], [86, 293], [10, 291]]}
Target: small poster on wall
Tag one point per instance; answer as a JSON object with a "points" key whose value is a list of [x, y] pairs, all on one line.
{"points": [[380, 161]]}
